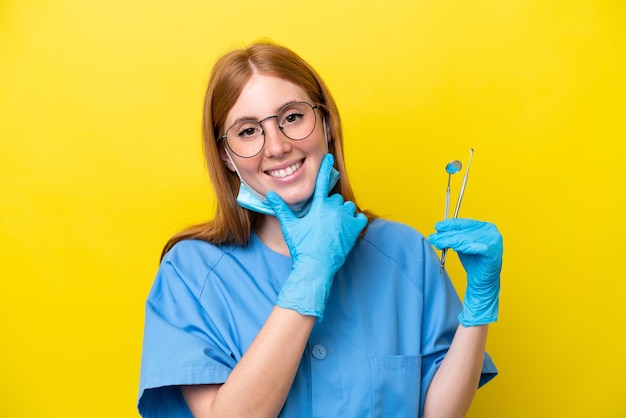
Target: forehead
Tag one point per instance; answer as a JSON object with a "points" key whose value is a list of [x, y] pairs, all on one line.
{"points": [[264, 95]]}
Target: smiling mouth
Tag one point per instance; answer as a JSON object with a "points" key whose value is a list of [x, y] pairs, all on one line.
{"points": [[284, 172]]}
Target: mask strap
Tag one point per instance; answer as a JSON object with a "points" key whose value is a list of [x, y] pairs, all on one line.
{"points": [[325, 134], [257, 194]]}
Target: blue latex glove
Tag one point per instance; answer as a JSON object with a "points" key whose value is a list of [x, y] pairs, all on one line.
{"points": [[319, 243], [479, 246]]}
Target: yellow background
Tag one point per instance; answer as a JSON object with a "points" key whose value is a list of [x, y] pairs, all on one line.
{"points": [[100, 162]]}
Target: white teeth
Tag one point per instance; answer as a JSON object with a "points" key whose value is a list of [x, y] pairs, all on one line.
{"points": [[284, 172]]}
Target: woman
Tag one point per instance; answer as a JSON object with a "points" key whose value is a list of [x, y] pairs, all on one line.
{"points": [[291, 302]]}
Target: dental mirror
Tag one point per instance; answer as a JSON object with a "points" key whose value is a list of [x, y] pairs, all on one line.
{"points": [[452, 167]]}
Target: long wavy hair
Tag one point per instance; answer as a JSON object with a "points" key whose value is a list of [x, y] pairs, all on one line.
{"points": [[233, 224]]}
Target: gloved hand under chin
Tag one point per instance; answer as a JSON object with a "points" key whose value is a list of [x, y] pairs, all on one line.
{"points": [[479, 246], [319, 243]]}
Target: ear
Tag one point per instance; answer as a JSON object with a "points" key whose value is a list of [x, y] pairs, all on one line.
{"points": [[226, 160]]}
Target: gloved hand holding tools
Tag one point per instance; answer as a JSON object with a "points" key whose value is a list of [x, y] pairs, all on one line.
{"points": [[479, 246]]}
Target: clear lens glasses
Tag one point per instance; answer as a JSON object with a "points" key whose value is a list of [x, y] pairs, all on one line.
{"points": [[296, 121]]}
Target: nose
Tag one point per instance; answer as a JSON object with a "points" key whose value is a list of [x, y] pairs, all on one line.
{"points": [[276, 143]]}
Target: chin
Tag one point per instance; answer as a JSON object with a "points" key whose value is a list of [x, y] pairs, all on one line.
{"points": [[296, 194], [295, 200]]}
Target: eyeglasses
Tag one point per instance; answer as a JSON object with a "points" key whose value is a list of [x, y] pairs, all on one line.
{"points": [[296, 121]]}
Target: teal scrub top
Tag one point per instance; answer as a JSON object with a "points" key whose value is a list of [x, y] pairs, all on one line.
{"points": [[389, 321]]}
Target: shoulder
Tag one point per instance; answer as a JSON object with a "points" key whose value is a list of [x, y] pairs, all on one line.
{"points": [[399, 244], [190, 261], [193, 250], [391, 232]]}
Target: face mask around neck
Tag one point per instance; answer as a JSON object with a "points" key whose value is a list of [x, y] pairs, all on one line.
{"points": [[248, 198]]}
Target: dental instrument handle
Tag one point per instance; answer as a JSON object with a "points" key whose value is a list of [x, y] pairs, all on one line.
{"points": [[446, 212], [444, 253], [445, 216], [462, 192]]}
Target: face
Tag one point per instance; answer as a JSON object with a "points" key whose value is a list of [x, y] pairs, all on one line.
{"points": [[285, 166]]}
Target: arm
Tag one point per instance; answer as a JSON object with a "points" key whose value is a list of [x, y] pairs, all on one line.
{"points": [[453, 388], [479, 246], [259, 384]]}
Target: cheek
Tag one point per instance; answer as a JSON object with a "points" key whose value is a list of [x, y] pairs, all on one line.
{"points": [[317, 142]]}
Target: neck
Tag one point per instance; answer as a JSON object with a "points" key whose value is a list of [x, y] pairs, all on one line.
{"points": [[270, 234]]}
